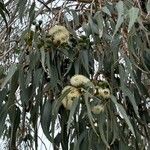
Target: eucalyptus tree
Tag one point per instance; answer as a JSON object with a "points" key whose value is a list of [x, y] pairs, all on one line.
{"points": [[79, 69]]}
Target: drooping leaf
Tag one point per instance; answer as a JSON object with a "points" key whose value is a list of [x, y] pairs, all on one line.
{"points": [[101, 122], [128, 93], [133, 15], [43, 58], [93, 26], [72, 112], [21, 8], [90, 116], [85, 60], [98, 17], [11, 72], [123, 113], [46, 119], [3, 10], [81, 137], [148, 6], [106, 10], [120, 10], [32, 12]]}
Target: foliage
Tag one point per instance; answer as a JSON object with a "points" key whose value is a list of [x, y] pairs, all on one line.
{"points": [[109, 43]]}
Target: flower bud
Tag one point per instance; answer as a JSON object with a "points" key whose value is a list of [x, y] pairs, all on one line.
{"points": [[79, 80]]}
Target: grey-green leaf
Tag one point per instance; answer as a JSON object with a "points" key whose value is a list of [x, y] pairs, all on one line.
{"points": [[11, 72], [120, 10], [148, 6], [133, 15], [123, 113]]}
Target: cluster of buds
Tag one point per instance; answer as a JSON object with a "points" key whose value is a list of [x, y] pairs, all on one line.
{"points": [[78, 82], [102, 90], [59, 34], [73, 94]]}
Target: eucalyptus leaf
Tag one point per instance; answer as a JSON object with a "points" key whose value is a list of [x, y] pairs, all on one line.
{"points": [[106, 10], [101, 122], [11, 72], [120, 10], [148, 6], [72, 112], [46, 119], [21, 8], [123, 113], [133, 15]]}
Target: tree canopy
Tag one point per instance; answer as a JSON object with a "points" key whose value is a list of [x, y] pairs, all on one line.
{"points": [[80, 69]]}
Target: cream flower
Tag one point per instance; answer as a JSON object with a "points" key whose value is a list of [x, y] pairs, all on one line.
{"points": [[67, 103], [57, 28], [59, 34], [79, 80], [97, 109], [105, 93], [70, 97], [60, 38]]}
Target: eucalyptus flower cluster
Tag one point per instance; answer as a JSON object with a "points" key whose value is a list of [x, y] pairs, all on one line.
{"points": [[77, 81], [76, 89], [59, 34], [102, 91]]}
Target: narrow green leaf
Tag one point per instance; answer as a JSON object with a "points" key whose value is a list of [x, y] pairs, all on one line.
{"points": [[77, 66], [4, 17], [148, 6], [46, 119], [133, 15], [72, 112], [14, 82], [128, 93], [93, 26], [2, 7], [101, 121], [120, 10], [3, 94], [43, 58], [58, 103], [14, 115], [24, 96], [38, 76], [87, 29], [106, 10], [48, 63], [54, 76], [57, 141], [76, 17], [81, 137], [32, 12], [123, 113], [85, 60], [11, 72], [2, 10], [115, 132], [123, 145], [91, 119], [3, 114], [99, 19], [21, 7]]}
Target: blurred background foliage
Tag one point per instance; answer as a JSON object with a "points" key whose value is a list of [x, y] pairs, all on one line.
{"points": [[109, 41]]}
